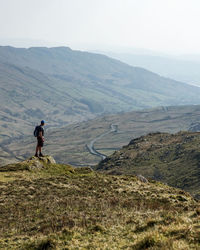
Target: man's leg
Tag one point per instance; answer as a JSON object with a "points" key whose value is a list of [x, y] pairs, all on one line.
{"points": [[36, 150], [40, 150]]}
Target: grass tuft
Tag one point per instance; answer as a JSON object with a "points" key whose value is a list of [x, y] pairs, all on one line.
{"points": [[44, 244], [150, 241]]}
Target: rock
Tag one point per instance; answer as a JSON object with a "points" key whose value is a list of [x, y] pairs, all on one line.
{"points": [[194, 127], [197, 196], [142, 178], [32, 163], [48, 159], [38, 162]]}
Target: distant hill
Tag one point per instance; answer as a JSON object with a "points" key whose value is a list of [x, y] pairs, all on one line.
{"points": [[68, 144], [64, 86], [51, 206], [170, 158], [181, 68]]}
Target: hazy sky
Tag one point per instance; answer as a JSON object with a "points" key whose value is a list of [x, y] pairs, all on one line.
{"points": [[162, 25]]}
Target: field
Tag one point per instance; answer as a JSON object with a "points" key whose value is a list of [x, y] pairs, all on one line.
{"points": [[52, 206]]}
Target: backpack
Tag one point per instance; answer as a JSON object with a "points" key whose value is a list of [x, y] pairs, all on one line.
{"points": [[36, 131]]}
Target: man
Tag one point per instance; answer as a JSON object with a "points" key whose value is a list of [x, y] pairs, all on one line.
{"points": [[40, 139]]}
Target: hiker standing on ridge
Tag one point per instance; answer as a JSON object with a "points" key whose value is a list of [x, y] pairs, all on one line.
{"points": [[39, 133]]}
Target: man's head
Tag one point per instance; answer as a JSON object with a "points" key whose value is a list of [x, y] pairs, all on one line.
{"points": [[42, 122]]}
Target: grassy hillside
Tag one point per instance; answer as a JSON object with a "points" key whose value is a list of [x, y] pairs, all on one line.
{"points": [[68, 143], [64, 86], [50, 206], [27, 95], [181, 68], [171, 158]]}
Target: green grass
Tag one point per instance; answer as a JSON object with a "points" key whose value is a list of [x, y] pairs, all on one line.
{"points": [[60, 207]]}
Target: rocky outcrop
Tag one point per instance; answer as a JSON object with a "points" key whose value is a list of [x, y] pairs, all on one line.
{"points": [[32, 163], [194, 127], [170, 158]]}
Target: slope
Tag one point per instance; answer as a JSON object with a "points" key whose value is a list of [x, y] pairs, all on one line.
{"points": [[66, 86], [170, 158], [68, 143], [52, 206], [181, 68], [27, 95]]}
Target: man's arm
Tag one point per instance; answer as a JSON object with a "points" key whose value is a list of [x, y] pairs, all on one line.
{"points": [[40, 134]]}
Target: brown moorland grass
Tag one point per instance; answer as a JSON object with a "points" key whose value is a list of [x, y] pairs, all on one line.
{"points": [[61, 207], [170, 158]]}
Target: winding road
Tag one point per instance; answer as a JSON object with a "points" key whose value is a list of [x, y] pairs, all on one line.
{"points": [[90, 146]]}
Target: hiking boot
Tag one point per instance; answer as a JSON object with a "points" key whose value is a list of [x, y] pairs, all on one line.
{"points": [[41, 155], [36, 155]]}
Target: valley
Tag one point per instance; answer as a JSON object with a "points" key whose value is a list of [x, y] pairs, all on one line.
{"points": [[90, 146], [99, 125], [184, 68], [64, 86], [85, 99], [68, 144]]}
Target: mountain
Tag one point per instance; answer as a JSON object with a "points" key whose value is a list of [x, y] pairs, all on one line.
{"points": [[64, 86], [45, 205], [181, 68], [68, 144], [171, 158], [27, 95]]}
